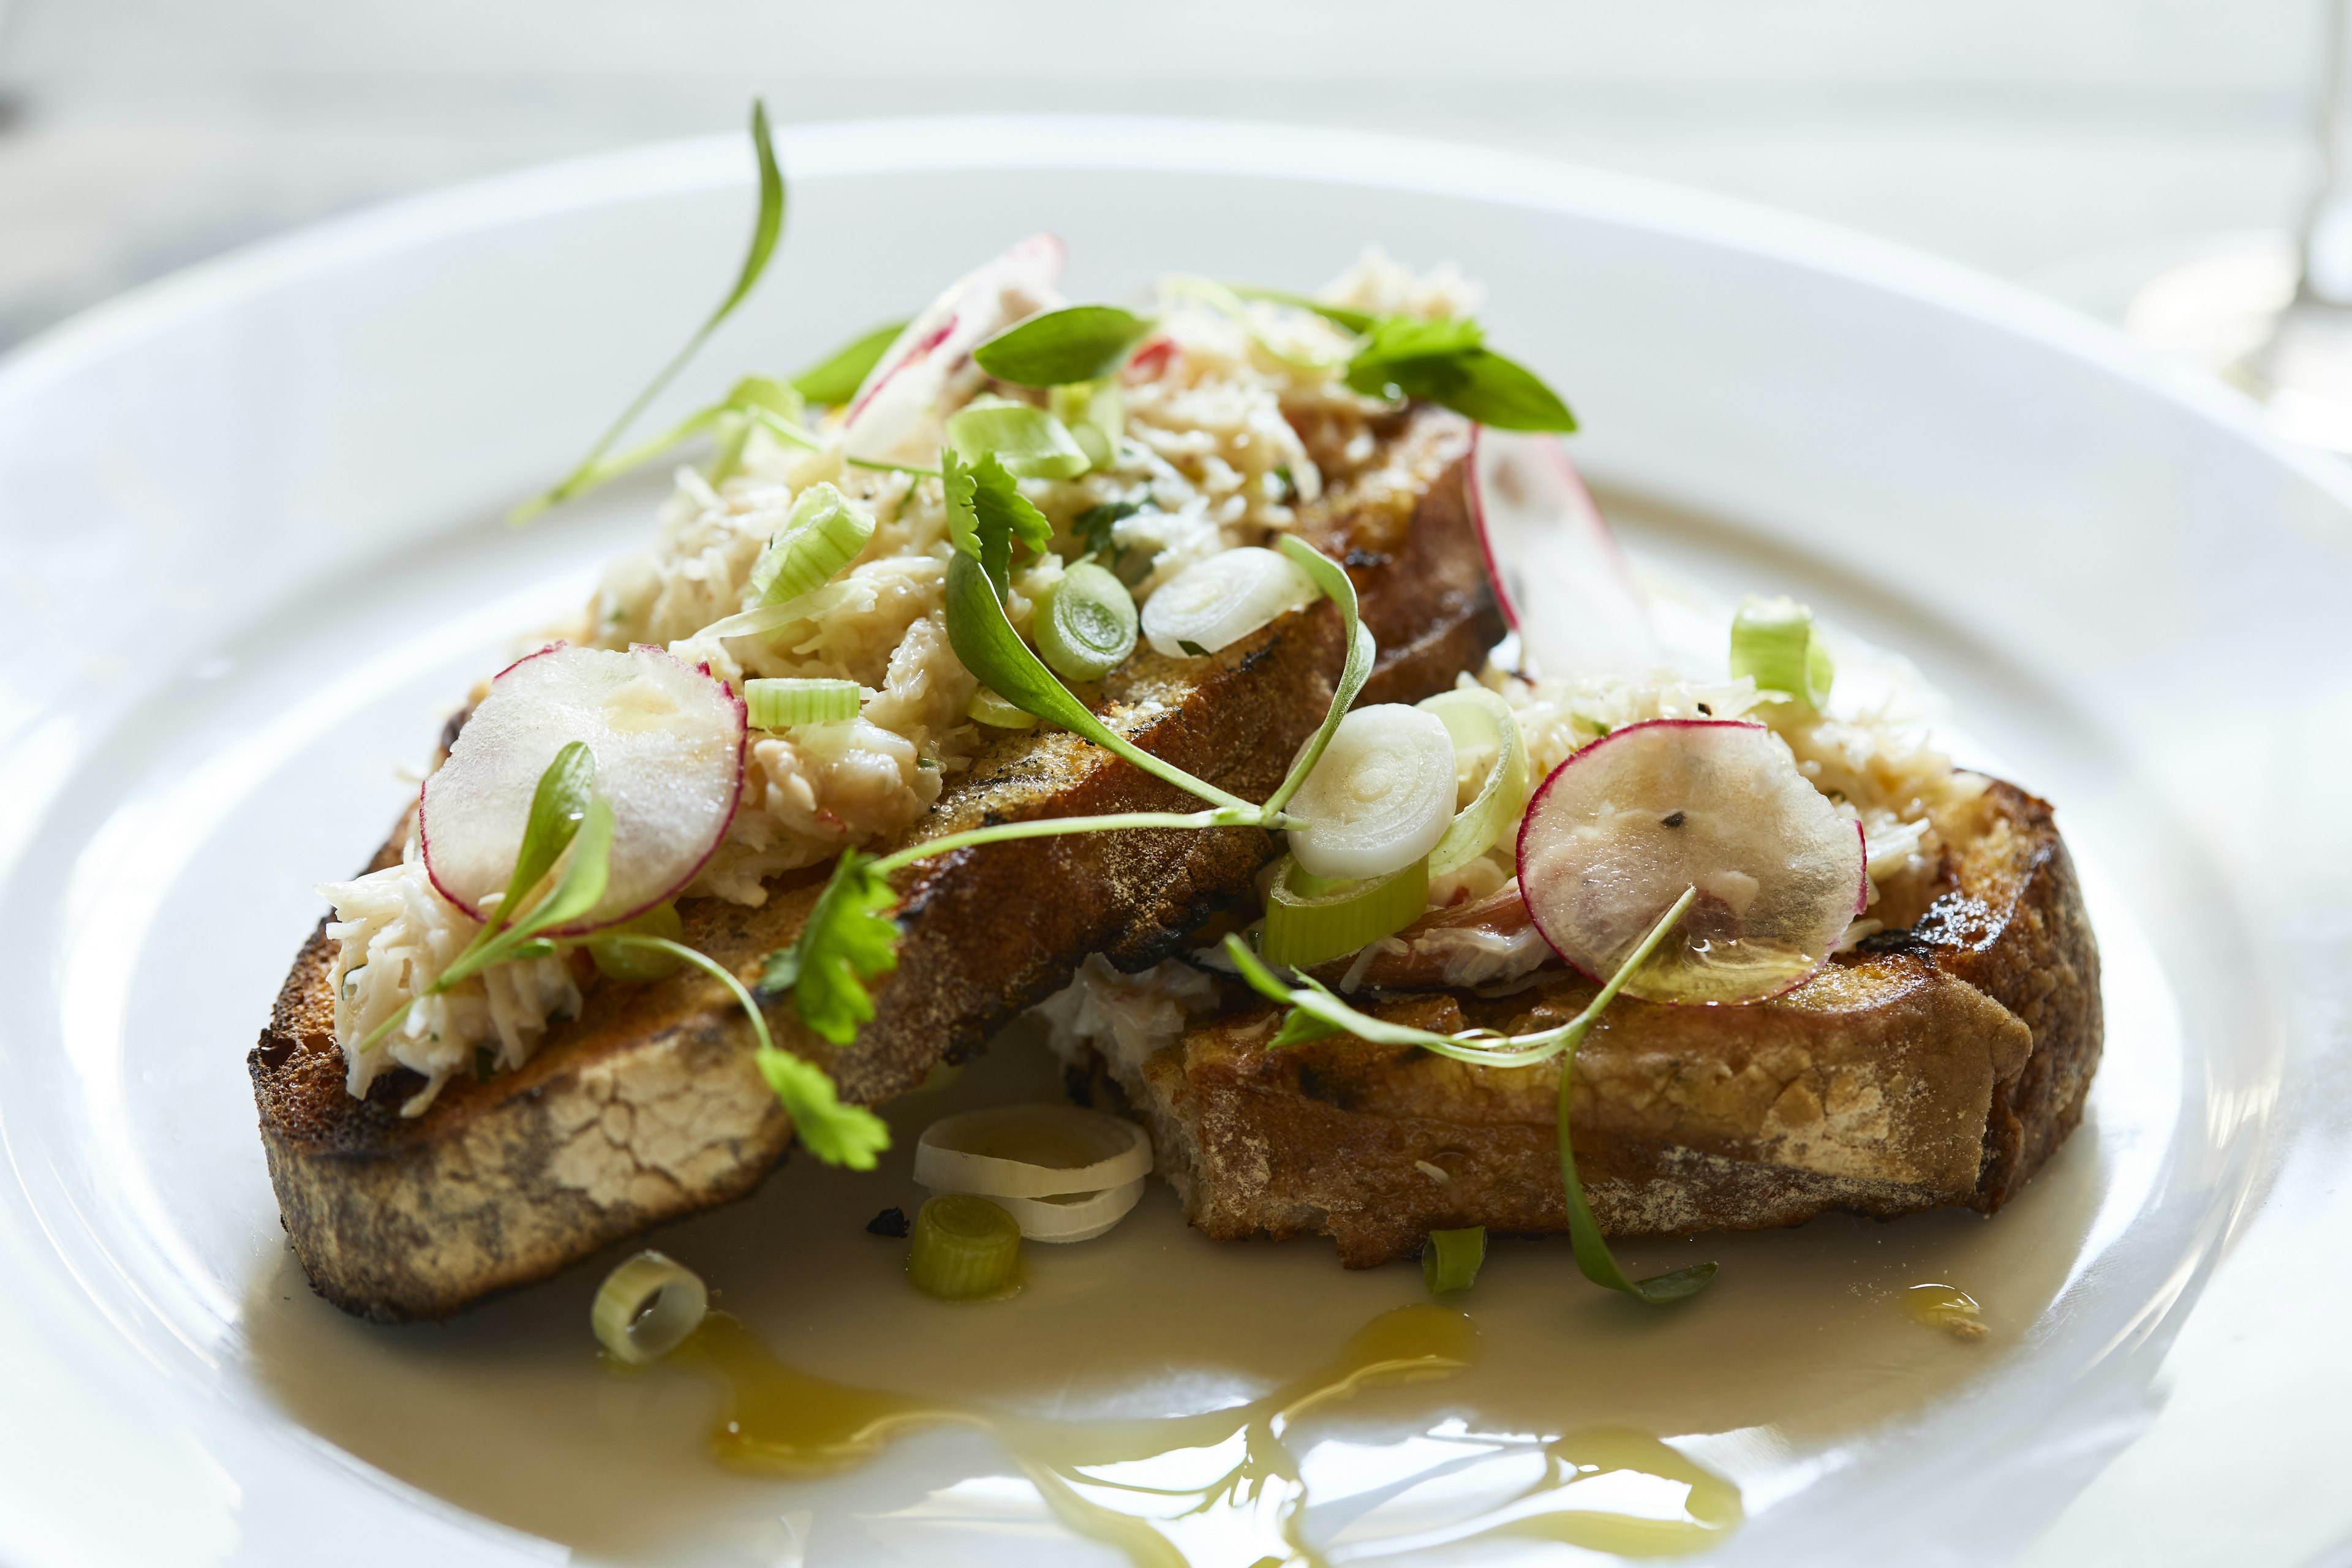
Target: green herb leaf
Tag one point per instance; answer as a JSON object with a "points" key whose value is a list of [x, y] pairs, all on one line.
{"points": [[766, 229], [1340, 315], [838, 1134], [1029, 442], [833, 381], [986, 511], [1077, 342], [581, 886], [557, 806], [849, 939], [1445, 362], [1092, 527], [1332, 578]]}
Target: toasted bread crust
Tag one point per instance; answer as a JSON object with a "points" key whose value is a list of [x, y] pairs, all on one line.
{"points": [[648, 1106], [1939, 1071]]}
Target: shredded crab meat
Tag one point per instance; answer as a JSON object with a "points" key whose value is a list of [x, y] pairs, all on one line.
{"points": [[1211, 458], [394, 935]]}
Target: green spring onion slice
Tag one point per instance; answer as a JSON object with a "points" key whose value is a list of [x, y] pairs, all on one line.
{"points": [[965, 1249], [1086, 623], [1476, 717], [1094, 411], [646, 1308], [636, 963], [780, 703], [987, 707], [1310, 919], [822, 534], [1449, 1259], [1773, 641], [1031, 443]]}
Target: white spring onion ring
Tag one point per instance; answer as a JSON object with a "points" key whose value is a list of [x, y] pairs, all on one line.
{"points": [[647, 1307], [1381, 797], [779, 702], [1039, 1151], [1479, 720], [1624, 826], [1773, 642], [669, 741], [1072, 1217], [1222, 600]]}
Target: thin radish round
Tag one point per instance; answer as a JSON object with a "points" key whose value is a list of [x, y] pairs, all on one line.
{"points": [[911, 383], [668, 744], [1380, 798], [1620, 829], [1039, 1151], [1223, 599], [1559, 576]]}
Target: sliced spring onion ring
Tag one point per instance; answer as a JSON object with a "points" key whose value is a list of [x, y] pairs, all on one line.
{"points": [[1096, 415], [1310, 920], [1476, 718], [779, 703], [1073, 1217], [1223, 599], [823, 533], [987, 707], [647, 1307], [965, 1249], [1031, 443], [1381, 797], [1450, 1260], [1039, 1151], [1773, 640], [634, 964], [1086, 623]]}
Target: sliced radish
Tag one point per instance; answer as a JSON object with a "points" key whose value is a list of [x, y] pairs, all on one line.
{"points": [[669, 741], [912, 380], [1621, 827], [1559, 578]]}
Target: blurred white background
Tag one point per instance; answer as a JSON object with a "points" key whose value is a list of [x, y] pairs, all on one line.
{"points": [[2018, 135]]}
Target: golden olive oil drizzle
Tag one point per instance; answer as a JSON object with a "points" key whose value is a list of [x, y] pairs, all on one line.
{"points": [[1222, 1486], [1946, 1306]]}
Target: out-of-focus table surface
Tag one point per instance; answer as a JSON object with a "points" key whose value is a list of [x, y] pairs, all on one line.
{"points": [[139, 135]]}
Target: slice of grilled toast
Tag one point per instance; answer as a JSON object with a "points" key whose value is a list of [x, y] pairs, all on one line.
{"points": [[648, 1107], [1939, 1066]]}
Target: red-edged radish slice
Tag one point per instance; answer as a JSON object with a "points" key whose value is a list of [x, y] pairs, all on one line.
{"points": [[1621, 827], [1559, 578], [668, 743], [910, 383]]}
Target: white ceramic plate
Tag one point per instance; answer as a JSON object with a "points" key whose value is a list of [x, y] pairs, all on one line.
{"points": [[253, 550]]}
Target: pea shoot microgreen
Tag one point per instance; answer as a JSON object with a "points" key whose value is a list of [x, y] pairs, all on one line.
{"points": [[1315, 1013], [767, 228], [1077, 342]]}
